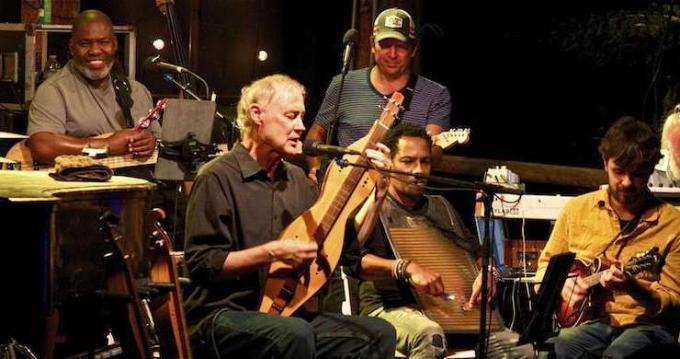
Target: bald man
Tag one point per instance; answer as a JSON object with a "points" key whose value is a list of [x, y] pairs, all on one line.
{"points": [[80, 102]]}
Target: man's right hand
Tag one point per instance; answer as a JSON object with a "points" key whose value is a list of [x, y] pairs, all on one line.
{"points": [[574, 291], [425, 280], [292, 251]]}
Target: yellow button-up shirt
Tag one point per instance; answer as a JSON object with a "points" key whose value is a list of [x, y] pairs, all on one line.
{"points": [[587, 226]]}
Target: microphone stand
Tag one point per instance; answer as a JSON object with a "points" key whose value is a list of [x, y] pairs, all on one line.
{"points": [[332, 128], [205, 84], [488, 192]]}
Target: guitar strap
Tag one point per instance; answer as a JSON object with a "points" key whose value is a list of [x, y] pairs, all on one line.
{"points": [[408, 91], [123, 90], [628, 228]]}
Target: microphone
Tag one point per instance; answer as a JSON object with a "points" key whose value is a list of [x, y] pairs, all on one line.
{"points": [[154, 63], [315, 148], [348, 40]]}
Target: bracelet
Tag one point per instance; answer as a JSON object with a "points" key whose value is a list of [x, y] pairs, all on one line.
{"points": [[395, 267], [399, 269], [402, 273]]}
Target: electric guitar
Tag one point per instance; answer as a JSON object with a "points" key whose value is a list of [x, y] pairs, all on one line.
{"points": [[570, 314], [21, 155], [451, 137]]}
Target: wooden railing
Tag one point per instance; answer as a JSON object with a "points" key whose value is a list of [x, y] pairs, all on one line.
{"points": [[527, 171]]}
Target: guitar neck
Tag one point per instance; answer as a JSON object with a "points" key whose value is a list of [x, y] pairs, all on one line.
{"points": [[593, 279], [129, 160]]}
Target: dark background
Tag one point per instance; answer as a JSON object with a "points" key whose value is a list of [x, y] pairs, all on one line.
{"points": [[536, 81]]}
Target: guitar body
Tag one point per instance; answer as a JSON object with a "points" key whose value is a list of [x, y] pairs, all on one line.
{"points": [[304, 284], [343, 190], [20, 153], [570, 314]]}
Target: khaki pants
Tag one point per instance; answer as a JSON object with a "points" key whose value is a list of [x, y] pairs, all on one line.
{"points": [[417, 335]]}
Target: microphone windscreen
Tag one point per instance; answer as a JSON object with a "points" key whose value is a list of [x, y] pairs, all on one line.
{"points": [[309, 147], [350, 36]]}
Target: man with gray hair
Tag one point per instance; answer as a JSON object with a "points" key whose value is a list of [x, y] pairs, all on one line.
{"points": [[667, 171], [239, 204]]}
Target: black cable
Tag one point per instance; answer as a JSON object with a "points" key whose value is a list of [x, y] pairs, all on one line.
{"points": [[212, 332]]}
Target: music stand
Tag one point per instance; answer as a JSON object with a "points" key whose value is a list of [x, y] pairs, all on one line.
{"points": [[539, 328], [182, 119]]}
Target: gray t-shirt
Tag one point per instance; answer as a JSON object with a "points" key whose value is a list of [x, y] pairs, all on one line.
{"points": [[66, 104]]}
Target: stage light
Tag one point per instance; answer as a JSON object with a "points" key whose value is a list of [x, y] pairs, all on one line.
{"points": [[158, 44], [262, 55]]}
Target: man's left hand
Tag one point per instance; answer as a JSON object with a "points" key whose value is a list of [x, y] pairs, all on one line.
{"points": [[142, 144], [614, 277]]}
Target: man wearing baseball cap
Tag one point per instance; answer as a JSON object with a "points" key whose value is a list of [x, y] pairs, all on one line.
{"points": [[394, 24], [393, 44], [427, 104]]}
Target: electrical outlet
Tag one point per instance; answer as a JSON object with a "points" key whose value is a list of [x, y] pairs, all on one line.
{"points": [[10, 67]]}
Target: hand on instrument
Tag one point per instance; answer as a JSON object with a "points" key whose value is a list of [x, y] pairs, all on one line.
{"points": [[292, 251], [614, 277], [312, 175], [142, 144], [139, 143], [425, 280], [574, 290], [476, 296], [380, 159]]}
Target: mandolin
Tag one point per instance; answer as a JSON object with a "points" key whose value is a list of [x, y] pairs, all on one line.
{"points": [[343, 190], [570, 314]]}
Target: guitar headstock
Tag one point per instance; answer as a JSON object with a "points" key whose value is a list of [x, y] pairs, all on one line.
{"points": [[110, 225], [162, 5], [391, 109], [153, 115], [160, 235], [648, 260], [451, 137]]}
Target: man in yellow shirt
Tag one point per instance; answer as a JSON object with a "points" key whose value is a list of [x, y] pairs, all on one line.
{"points": [[638, 311]]}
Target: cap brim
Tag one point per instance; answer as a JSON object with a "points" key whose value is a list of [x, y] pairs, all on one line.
{"points": [[382, 35]]}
